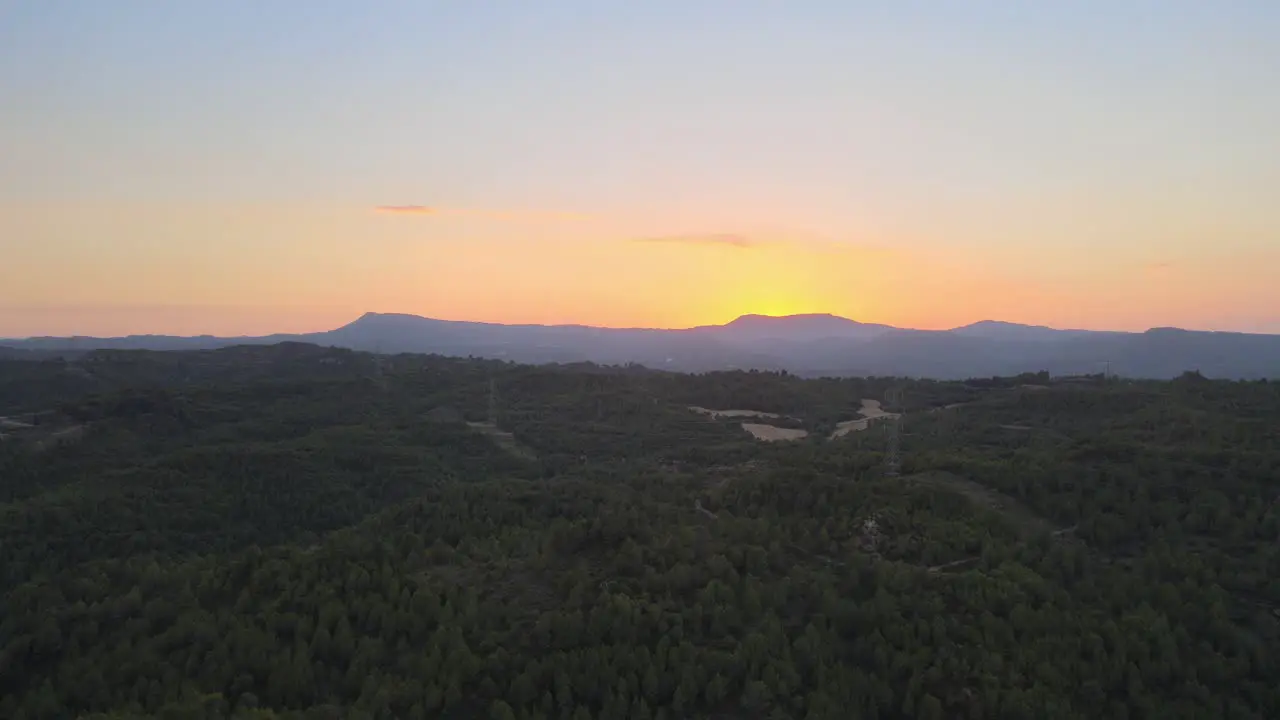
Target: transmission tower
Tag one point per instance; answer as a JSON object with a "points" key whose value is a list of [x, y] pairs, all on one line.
{"points": [[378, 366], [893, 452]]}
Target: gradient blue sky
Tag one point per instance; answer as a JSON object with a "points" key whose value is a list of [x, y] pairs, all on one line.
{"points": [[215, 166]]}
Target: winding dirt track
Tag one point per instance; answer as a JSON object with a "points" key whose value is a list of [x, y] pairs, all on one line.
{"points": [[717, 414], [870, 411]]}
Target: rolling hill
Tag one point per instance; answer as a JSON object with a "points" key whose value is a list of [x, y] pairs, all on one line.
{"points": [[807, 345]]}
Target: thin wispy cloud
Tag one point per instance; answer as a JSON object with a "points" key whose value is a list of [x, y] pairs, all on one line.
{"points": [[515, 216], [799, 242], [407, 210], [713, 239], [847, 248]]}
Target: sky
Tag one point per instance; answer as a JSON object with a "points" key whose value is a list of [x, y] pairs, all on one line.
{"points": [[238, 167]]}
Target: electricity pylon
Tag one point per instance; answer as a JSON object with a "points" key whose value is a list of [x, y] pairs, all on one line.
{"points": [[893, 440], [379, 365], [493, 402]]}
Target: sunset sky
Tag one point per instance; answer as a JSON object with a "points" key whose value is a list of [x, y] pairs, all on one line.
{"points": [[238, 167]]}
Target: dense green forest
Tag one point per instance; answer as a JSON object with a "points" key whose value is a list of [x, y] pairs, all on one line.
{"points": [[303, 532]]}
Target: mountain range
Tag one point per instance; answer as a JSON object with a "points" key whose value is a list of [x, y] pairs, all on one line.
{"points": [[809, 345]]}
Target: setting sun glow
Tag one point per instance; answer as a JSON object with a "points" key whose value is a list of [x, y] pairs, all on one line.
{"points": [[643, 168]]}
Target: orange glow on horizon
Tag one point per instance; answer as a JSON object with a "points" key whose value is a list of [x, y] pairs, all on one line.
{"points": [[236, 270]]}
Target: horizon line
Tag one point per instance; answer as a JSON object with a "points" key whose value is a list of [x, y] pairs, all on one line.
{"points": [[624, 327]]}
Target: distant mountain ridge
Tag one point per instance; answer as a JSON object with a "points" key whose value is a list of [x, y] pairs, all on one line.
{"points": [[810, 344]]}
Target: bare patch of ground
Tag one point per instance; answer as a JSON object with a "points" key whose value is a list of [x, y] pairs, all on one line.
{"points": [[870, 411], [761, 431], [1021, 428], [717, 414], [9, 424], [772, 433], [1033, 387], [504, 440]]}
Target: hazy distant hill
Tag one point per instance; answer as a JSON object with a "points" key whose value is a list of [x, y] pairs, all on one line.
{"points": [[803, 344], [793, 328], [1000, 330]]}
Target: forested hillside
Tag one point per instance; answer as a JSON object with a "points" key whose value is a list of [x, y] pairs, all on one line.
{"points": [[297, 532]]}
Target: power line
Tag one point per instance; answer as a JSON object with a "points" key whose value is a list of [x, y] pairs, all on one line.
{"points": [[378, 367], [893, 447], [493, 402]]}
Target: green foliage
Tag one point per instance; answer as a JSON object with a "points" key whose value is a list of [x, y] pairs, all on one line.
{"points": [[289, 533]]}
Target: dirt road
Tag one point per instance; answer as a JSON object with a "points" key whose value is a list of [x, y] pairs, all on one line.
{"points": [[870, 411], [717, 414]]}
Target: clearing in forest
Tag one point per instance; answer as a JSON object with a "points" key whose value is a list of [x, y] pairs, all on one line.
{"points": [[870, 411], [760, 431], [772, 433], [1027, 521], [717, 414], [503, 439]]}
